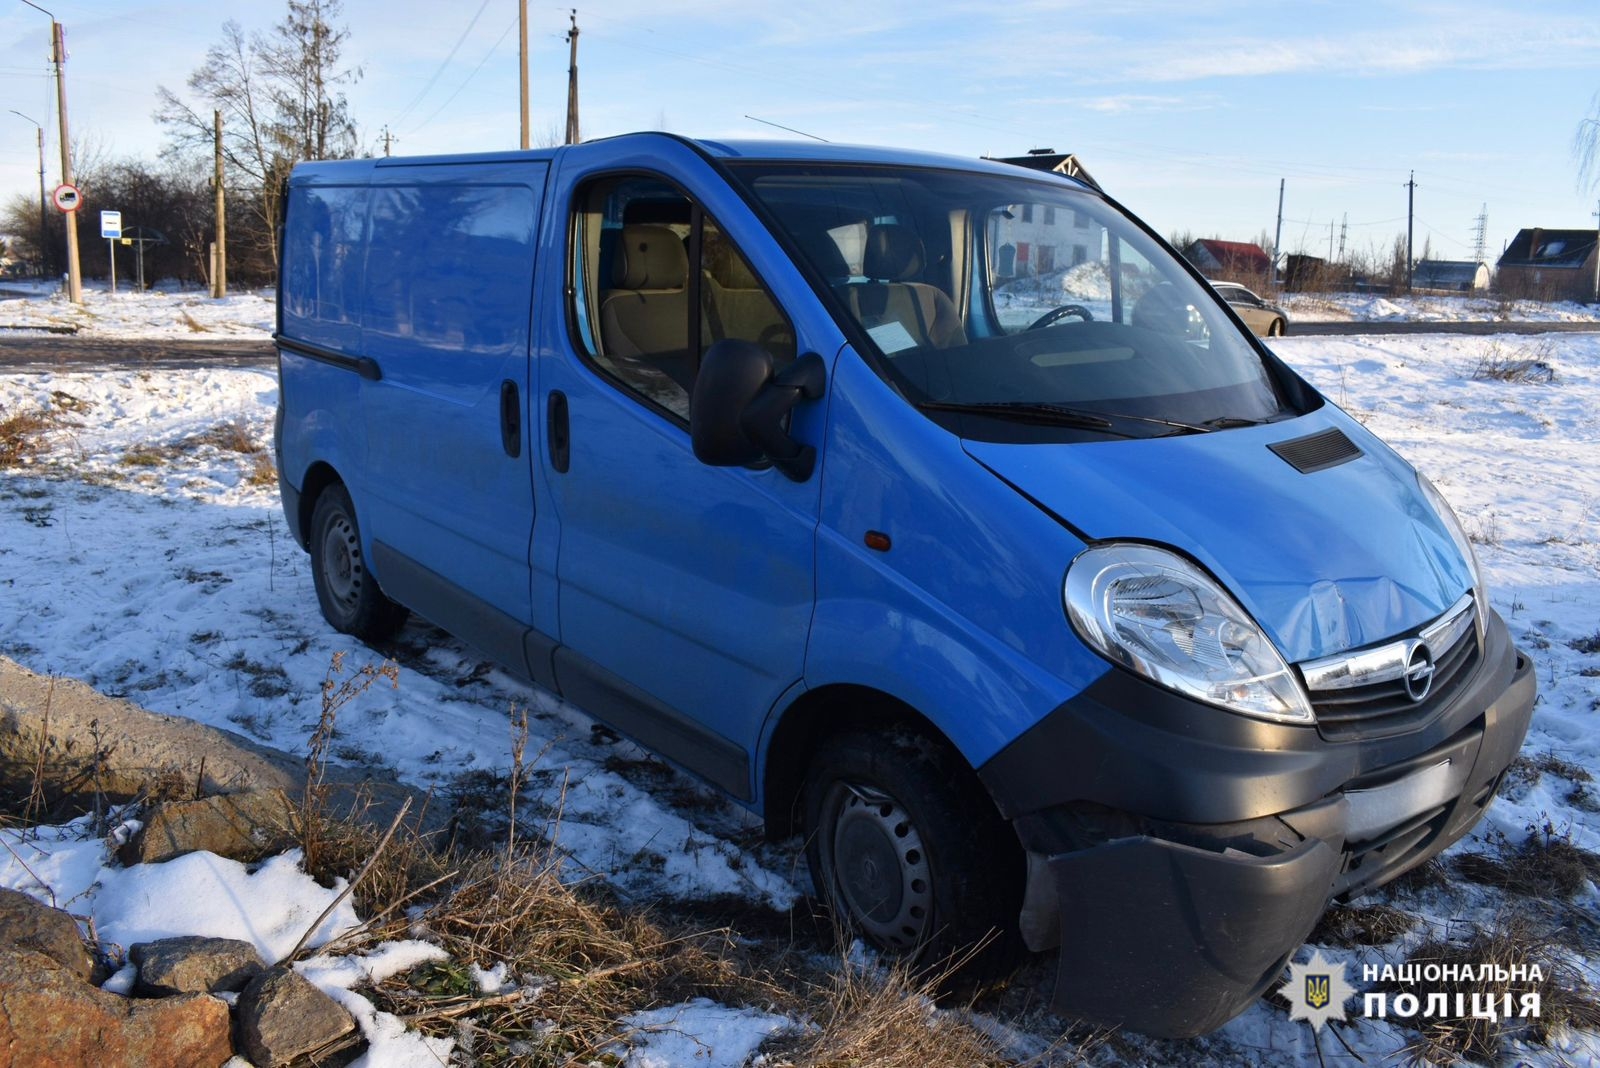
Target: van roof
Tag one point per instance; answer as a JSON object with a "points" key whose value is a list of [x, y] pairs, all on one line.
{"points": [[797, 151]]}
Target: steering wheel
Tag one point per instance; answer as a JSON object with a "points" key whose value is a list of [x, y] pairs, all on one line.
{"points": [[1055, 314]]}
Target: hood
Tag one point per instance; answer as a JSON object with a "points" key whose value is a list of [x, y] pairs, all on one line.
{"points": [[1327, 561]]}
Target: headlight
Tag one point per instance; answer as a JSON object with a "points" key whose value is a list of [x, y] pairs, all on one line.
{"points": [[1157, 614], [1452, 525]]}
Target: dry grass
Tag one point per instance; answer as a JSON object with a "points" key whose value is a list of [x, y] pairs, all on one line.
{"points": [[145, 456], [1546, 865], [195, 325], [262, 471], [1503, 362], [1565, 998], [22, 437], [233, 436], [1364, 925], [886, 1018]]}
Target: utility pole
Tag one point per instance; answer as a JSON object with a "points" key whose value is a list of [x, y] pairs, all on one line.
{"points": [[572, 82], [44, 216], [1411, 200], [1344, 228], [58, 56], [387, 139], [522, 59], [220, 250], [1480, 232], [1330, 240], [1597, 255], [1277, 238]]}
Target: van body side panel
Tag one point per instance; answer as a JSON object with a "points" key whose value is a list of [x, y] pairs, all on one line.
{"points": [[690, 583], [985, 671], [319, 304], [449, 287]]}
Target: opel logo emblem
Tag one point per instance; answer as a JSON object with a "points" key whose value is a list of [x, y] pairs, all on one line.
{"points": [[1419, 672]]}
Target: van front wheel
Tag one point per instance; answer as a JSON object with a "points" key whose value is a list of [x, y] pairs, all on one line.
{"points": [[906, 848], [350, 598]]}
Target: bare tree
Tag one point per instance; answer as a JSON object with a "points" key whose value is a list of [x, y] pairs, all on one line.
{"points": [[281, 103], [1586, 145]]}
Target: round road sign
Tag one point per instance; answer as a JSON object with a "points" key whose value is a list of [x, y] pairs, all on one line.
{"points": [[67, 197]]}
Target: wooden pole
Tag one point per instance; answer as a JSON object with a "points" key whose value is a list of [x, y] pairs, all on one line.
{"points": [[572, 83], [219, 270], [58, 47], [522, 53]]}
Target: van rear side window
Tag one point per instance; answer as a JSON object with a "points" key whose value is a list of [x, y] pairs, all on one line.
{"points": [[323, 272]]}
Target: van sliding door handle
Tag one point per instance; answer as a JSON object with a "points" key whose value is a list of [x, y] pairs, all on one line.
{"points": [[558, 431], [510, 419]]}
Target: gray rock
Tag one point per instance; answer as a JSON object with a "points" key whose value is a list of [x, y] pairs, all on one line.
{"points": [[51, 1018], [140, 748], [194, 965], [247, 827], [281, 1016], [34, 925]]}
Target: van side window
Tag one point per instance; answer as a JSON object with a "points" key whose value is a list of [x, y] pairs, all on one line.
{"points": [[655, 283]]}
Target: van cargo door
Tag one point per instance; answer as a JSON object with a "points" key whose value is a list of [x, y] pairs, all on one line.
{"points": [[449, 283]]}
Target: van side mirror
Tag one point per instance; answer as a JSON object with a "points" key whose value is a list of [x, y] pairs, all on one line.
{"points": [[738, 411]]}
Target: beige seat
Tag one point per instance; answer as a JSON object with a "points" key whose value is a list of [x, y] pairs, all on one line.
{"points": [[893, 257], [737, 306], [646, 312]]}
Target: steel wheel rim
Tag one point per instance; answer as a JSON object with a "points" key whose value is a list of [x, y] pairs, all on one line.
{"points": [[877, 865], [342, 570]]}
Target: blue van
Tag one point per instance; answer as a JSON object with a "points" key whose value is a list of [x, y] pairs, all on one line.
{"points": [[932, 508]]}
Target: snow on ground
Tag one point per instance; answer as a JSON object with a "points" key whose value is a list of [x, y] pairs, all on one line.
{"points": [[141, 558], [1343, 307], [270, 906], [163, 311]]}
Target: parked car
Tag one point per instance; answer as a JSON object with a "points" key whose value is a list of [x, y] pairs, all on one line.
{"points": [[1266, 320], [1064, 616]]}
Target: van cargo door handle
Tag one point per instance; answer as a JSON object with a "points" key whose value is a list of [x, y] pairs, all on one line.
{"points": [[510, 419], [559, 432]]}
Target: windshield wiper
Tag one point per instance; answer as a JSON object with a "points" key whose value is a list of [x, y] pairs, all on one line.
{"points": [[1227, 422], [1032, 411]]}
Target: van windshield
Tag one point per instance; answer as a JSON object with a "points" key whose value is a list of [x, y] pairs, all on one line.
{"points": [[1018, 308]]}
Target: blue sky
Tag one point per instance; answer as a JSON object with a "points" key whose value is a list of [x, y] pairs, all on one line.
{"points": [[1186, 110]]}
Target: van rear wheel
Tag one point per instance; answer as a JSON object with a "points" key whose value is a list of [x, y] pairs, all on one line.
{"points": [[906, 848], [350, 598]]}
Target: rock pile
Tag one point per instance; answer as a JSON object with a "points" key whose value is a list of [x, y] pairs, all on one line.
{"points": [[53, 1013]]}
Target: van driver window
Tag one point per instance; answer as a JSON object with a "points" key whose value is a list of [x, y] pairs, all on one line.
{"points": [[656, 283]]}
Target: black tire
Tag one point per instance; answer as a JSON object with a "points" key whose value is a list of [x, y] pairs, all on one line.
{"points": [[350, 598], [1276, 328], [932, 871]]}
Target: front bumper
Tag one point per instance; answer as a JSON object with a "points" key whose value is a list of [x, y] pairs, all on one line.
{"points": [[1172, 926]]}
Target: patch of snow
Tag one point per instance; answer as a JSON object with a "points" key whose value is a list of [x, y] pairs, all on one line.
{"points": [[389, 1044], [269, 907], [698, 1033], [161, 312], [1345, 307]]}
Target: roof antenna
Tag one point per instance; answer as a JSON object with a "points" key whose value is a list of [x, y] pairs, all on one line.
{"points": [[791, 129]]}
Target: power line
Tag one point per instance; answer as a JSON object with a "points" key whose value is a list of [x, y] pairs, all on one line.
{"points": [[470, 75], [442, 65]]}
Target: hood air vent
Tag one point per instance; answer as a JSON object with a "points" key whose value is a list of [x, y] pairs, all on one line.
{"points": [[1317, 452]]}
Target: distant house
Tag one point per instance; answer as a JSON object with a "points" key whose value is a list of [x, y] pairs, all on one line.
{"points": [[1455, 276], [1045, 159], [1215, 257], [1549, 265], [1038, 239]]}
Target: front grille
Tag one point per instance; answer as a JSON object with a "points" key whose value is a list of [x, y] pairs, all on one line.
{"points": [[1381, 709]]}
